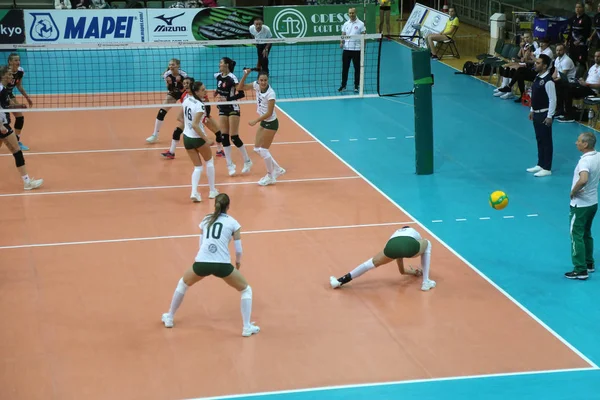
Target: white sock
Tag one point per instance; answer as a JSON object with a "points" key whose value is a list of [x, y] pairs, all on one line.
{"points": [[157, 126], [173, 146], [25, 178], [275, 165], [425, 260], [244, 152], [266, 155], [210, 172], [362, 268], [505, 81], [227, 150], [246, 305], [177, 297], [196, 179]]}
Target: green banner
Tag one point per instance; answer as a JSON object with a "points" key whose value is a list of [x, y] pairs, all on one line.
{"points": [[312, 21]]}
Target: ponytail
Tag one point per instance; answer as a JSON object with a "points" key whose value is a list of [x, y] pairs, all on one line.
{"points": [[221, 206], [194, 87]]}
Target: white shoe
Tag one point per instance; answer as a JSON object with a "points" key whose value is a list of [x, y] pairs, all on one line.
{"points": [[498, 94], [213, 193], [196, 198], [152, 139], [507, 96], [496, 90], [250, 330], [247, 166], [537, 168], [33, 184], [542, 172], [334, 282], [267, 180], [428, 284], [231, 169], [278, 172], [167, 320]]}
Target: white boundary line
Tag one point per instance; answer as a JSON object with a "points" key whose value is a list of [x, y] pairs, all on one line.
{"points": [[36, 193], [394, 383], [142, 239], [508, 296], [148, 148]]}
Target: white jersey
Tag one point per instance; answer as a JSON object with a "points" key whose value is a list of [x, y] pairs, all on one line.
{"points": [[265, 32], [191, 107], [214, 241], [407, 231], [262, 101]]}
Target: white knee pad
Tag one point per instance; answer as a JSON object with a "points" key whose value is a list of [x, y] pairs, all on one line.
{"points": [[247, 293], [428, 249], [181, 287], [264, 153], [210, 163], [257, 150]]}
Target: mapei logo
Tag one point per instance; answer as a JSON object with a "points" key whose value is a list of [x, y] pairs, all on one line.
{"points": [[169, 24], [43, 28], [290, 23]]}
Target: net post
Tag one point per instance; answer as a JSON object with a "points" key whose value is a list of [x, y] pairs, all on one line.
{"points": [[423, 81], [361, 81]]}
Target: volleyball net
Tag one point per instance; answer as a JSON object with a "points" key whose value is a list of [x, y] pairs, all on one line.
{"points": [[113, 76]]}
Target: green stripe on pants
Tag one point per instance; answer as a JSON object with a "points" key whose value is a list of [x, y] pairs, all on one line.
{"points": [[582, 243]]}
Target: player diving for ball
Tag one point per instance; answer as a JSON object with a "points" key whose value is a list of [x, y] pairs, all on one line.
{"points": [[404, 243]]}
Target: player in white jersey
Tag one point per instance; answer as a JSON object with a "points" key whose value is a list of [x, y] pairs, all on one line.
{"points": [[265, 99], [173, 77], [213, 258], [196, 142], [8, 136], [404, 243]]}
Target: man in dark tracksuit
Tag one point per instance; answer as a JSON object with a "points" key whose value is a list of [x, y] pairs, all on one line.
{"points": [[543, 107], [579, 29]]}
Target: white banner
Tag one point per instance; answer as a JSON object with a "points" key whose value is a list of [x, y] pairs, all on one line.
{"points": [[86, 26], [171, 24], [430, 20]]}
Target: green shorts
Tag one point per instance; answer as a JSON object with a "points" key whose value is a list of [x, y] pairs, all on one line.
{"points": [[220, 270], [192, 143], [401, 247], [271, 125]]}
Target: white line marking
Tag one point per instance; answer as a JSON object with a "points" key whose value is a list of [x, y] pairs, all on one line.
{"points": [[508, 216], [395, 383], [149, 148], [532, 215], [141, 239], [334, 140], [460, 219], [34, 193], [391, 137], [437, 220], [353, 140], [409, 137], [508, 296], [372, 138], [484, 218]]}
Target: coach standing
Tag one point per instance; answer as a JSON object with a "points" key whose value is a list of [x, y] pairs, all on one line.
{"points": [[543, 107], [584, 204], [353, 26], [260, 31]]}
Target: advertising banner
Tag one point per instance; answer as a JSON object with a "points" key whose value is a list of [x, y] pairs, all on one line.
{"points": [[86, 26], [12, 27], [213, 23], [309, 21], [430, 20]]}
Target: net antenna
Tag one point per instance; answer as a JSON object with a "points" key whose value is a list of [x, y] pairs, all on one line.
{"points": [[102, 76]]}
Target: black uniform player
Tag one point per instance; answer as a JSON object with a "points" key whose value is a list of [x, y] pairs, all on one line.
{"points": [[14, 65], [229, 114], [173, 77]]}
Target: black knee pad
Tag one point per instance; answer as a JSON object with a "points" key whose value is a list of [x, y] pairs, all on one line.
{"points": [[161, 114], [219, 137], [19, 159], [237, 141], [19, 122], [177, 134], [226, 142]]}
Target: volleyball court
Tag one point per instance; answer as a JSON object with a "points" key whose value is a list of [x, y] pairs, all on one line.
{"points": [[89, 261]]}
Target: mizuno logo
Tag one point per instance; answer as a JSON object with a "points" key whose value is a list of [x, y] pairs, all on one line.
{"points": [[168, 20]]}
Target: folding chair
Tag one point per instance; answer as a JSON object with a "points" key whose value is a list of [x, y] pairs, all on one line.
{"points": [[448, 44]]}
